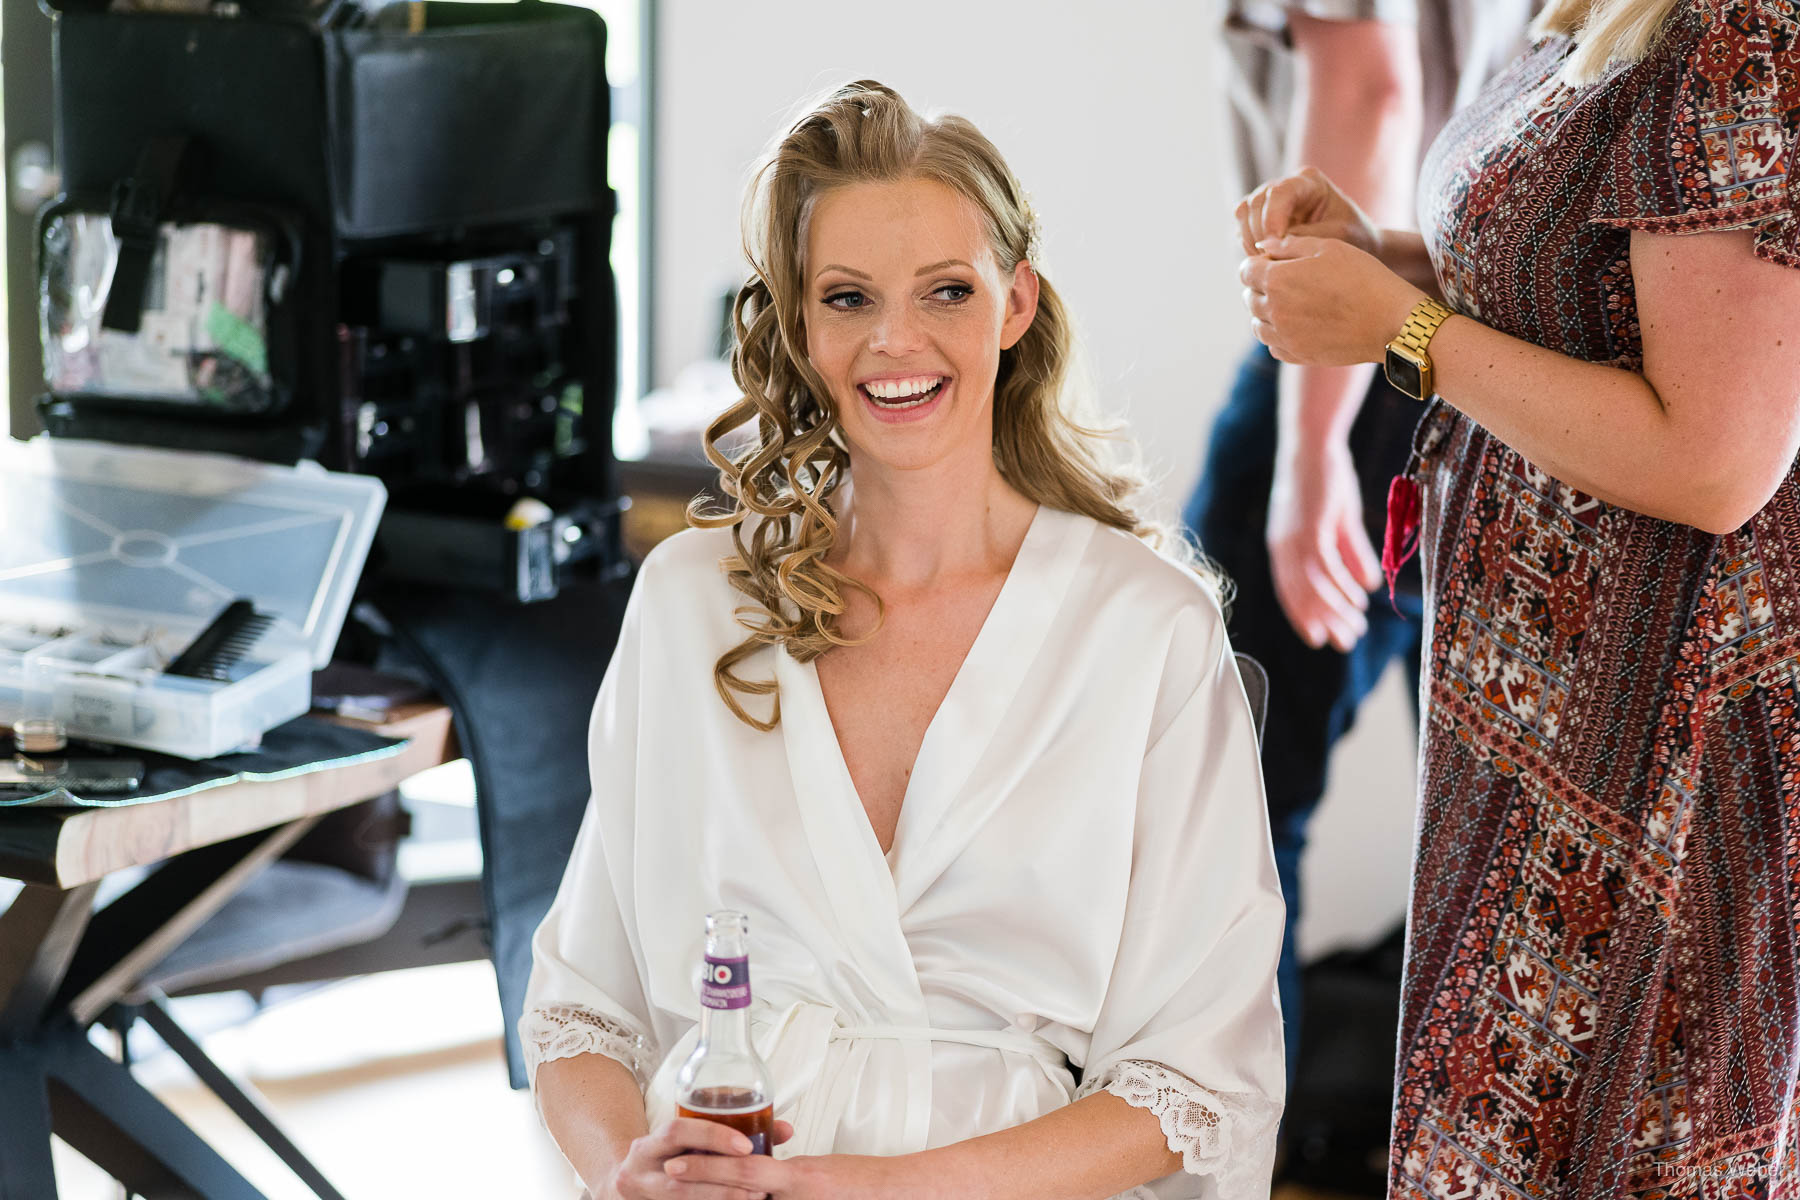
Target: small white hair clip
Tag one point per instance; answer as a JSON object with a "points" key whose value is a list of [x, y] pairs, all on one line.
{"points": [[1034, 234]]}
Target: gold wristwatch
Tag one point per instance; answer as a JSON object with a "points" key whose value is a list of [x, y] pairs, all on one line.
{"points": [[1408, 362]]}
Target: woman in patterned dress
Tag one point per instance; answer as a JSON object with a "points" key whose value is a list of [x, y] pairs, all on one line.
{"points": [[1600, 995]]}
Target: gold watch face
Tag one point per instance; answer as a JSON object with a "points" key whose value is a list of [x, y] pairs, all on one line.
{"points": [[1407, 371]]}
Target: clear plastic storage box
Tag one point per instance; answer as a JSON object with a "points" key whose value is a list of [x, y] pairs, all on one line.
{"points": [[113, 558]]}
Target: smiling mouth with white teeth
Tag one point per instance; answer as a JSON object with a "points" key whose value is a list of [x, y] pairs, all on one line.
{"points": [[902, 393]]}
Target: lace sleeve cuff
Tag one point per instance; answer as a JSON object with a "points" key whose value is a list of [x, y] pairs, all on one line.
{"points": [[1228, 1135], [554, 1031]]}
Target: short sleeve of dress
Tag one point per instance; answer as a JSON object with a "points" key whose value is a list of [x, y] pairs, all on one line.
{"points": [[1708, 126]]}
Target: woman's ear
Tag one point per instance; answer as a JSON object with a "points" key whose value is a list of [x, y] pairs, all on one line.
{"points": [[1021, 305]]}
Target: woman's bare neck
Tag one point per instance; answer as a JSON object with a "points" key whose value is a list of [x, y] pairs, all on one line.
{"points": [[915, 530]]}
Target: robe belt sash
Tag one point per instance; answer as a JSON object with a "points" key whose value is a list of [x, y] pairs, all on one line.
{"points": [[816, 1061], [836, 1055]]}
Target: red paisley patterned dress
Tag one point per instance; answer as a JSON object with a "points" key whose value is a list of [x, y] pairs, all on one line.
{"points": [[1600, 996]]}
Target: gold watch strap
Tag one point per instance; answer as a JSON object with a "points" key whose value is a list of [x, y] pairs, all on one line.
{"points": [[1421, 324]]}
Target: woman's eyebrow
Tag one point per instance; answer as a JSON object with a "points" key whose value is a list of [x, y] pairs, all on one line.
{"points": [[845, 270], [938, 266]]}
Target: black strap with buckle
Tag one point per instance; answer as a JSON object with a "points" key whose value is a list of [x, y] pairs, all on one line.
{"points": [[140, 204]]}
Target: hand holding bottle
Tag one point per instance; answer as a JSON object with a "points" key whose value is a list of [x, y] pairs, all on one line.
{"points": [[644, 1175], [723, 1096]]}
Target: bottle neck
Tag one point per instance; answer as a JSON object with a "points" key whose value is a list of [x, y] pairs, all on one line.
{"points": [[725, 1030]]}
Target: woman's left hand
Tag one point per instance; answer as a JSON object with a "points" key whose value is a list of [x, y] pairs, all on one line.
{"points": [[806, 1177], [1321, 302]]}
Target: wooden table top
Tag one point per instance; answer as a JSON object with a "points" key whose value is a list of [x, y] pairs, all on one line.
{"points": [[65, 847]]}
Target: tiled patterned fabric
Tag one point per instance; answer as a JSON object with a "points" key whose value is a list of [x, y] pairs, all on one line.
{"points": [[1600, 995]]}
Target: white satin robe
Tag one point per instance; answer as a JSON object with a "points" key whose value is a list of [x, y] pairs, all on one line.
{"points": [[1081, 875]]}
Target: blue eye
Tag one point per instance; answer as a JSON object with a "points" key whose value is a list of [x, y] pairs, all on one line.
{"points": [[954, 293], [846, 301]]}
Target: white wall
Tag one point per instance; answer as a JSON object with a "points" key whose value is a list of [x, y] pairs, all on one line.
{"points": [[1108, 114]]}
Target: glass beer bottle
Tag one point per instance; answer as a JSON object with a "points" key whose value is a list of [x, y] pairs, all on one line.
{"points": [[724, 1080]]}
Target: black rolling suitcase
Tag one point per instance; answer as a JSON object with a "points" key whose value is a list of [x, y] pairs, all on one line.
{"points": [[1335, 1128]]}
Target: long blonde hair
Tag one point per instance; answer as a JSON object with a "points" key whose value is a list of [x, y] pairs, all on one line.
{"points": [[790, 473], [1605, 32]]}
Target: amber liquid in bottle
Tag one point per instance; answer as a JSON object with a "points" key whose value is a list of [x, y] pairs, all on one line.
{"points": [[736, 1107], [724, 1080]]}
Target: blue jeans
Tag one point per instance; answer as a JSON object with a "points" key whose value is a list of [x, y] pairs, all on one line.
{"points": [[1313, 694]]}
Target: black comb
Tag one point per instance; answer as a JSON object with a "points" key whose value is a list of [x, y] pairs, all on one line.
{"points": [[221, 644]]}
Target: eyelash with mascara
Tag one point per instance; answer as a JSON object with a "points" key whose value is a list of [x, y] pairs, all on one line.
{"points": [[831, 300]]}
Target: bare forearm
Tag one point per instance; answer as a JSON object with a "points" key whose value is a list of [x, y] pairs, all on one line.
{"points": [[1318, 405], [1357, 111], [1704, 435], [1097, 1147], [594, 1110], [1357, 115], [1403, 252], [1600, 429]]}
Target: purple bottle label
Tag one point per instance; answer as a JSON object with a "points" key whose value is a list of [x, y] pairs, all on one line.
{"points": [[726, 983]]}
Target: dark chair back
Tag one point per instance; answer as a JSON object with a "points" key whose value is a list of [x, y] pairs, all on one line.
{"points": [[1256, 690]]}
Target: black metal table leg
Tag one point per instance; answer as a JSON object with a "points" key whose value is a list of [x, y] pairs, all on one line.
{"points": [[26, 1172], [105, 1114], [248, 1110], [39, 934], [61, 966]]}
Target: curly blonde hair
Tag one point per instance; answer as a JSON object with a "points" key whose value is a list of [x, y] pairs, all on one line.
{"points": [[796, 461]]}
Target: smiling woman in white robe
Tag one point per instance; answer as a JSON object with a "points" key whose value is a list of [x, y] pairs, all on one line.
{"points": [[1059, 979], [1081, 875]]}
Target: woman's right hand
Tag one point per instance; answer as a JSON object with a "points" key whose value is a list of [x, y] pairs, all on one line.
{"points": [[642, 1175], [1319, 556], [1304, 204]]}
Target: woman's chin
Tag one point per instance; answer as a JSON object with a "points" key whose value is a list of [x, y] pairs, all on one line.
{"points": [[917, 438]]}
